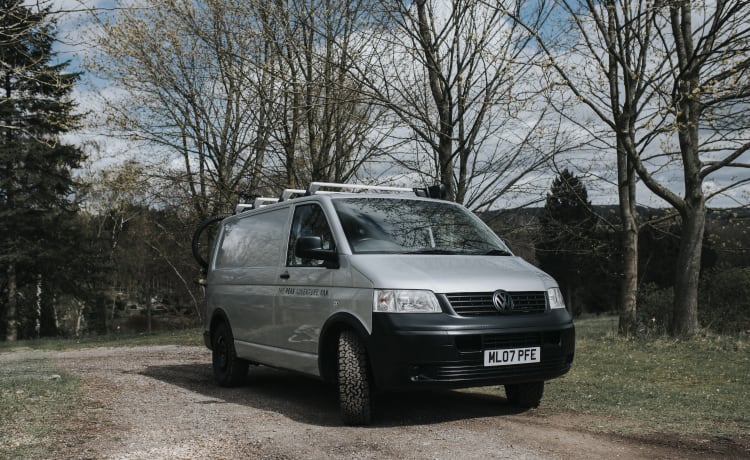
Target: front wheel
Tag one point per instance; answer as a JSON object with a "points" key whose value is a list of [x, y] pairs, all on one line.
{"points": [[354, 380], [525, 395], [229, 370]]}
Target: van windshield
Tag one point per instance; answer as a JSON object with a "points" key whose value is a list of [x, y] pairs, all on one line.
{"points": [[403, 226]]}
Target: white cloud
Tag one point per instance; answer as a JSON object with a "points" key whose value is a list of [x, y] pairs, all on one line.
{"points": [[595, 165]]}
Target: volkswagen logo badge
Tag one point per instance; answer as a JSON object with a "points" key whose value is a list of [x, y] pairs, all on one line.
{"points": [[502, 301]]}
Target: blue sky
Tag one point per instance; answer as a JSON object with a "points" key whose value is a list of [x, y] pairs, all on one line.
{"points": [[74, 43]]}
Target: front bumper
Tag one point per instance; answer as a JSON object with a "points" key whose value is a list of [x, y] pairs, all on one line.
{"points": [[444, 351]]}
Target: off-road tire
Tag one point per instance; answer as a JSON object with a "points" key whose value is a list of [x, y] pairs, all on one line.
{"points": [[525, 395], [229, 370], [355, 391]]}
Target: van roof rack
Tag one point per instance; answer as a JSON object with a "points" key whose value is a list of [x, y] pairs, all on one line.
{"points": [[434, 191], [315, 187], [289, 193], [257, 203]]}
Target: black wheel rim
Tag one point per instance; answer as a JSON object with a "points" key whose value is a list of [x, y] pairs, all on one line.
{"points": [[222, 353]]}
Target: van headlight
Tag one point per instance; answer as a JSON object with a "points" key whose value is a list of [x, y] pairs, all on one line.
{"points": [[555, 298], [405, 301]]}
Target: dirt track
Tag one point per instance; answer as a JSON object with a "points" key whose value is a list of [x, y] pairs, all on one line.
{"points": [[160, 402]]}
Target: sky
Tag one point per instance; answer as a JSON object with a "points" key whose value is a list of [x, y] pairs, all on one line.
{"points": [[74, 35]]}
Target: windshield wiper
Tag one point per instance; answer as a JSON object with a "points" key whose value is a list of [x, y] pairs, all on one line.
{"points": [[432, 251]]}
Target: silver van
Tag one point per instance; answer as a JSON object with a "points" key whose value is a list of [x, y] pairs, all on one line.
{"points": [[375, 290]]}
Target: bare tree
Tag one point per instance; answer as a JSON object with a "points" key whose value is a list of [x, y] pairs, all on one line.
{"points": [[190, 89], [458, 75], [707, 100], [114, 198], [250, 94], [610, 68], [643, 82], [326, 130]]}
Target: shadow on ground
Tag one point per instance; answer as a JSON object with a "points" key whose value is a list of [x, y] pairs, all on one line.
{"points": [[311, 401]]}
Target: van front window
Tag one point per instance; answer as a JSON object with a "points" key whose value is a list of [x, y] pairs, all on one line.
{"points": [[404, 226]]}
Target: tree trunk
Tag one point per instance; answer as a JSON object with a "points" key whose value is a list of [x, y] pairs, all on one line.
{"points": [[148, 313], [629, 242], [569, 296], [38, 305], [687, 272], [79, 308], [623, 116], [443, 103], [693, 209], [446, 167], [11, 317], [629, 282]]}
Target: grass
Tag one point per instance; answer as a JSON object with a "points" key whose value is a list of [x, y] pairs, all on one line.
{"points": [[40, 405], [187, 337], [37, 404], [644, 386], [655, 385]]}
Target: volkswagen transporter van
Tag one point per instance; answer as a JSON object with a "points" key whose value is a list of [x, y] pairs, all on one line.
{"points": [[374, 290]]}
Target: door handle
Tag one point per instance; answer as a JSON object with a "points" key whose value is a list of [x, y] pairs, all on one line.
{"points": [[284, 276]]}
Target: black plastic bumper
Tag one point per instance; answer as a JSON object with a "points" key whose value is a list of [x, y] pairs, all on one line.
{"points": [[424, 350]]}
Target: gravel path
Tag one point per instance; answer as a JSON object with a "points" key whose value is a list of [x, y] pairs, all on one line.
{"points": [[160, 403]]}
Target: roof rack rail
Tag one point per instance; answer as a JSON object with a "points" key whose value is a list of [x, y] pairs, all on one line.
{"points": [[433, 191], [257, 203], [290, 192], [315, 187]]}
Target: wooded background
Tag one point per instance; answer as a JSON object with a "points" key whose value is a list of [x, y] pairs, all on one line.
{"points": [[505, 103]]}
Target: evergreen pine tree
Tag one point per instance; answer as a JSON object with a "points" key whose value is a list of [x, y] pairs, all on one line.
{"points": [[566, 228], [568, 201], [35, 166]]}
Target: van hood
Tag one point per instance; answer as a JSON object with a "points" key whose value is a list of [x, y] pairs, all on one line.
{"points": [[452, 273]]}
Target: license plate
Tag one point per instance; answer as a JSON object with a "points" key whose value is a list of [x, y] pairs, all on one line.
{"points": [[511, 356]]}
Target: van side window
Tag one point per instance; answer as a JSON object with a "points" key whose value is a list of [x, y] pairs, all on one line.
{"points": [[254, 241], [309, 220]]}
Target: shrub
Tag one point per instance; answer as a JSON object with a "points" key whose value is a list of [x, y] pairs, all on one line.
{"points": [[725, 300], [654, 309]]}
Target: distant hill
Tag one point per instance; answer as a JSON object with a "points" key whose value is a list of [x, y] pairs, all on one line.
{"points": [[533, 213], [728, 229]]}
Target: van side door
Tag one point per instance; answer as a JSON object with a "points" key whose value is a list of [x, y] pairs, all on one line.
{"points": [[304, 300]]}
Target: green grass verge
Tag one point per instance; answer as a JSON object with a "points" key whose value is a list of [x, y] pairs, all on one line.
{"points": [[643, 386], [655, 385], [185, 337], [37, 404]]}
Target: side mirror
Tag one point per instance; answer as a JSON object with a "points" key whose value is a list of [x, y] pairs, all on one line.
{"points": [[311, 247]]}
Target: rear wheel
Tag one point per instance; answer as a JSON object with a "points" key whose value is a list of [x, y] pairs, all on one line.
{"points": [[354, 380], [229, 370], [525, 395]]}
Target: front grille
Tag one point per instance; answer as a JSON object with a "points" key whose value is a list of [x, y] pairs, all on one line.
{"points": [[499, 341], [468, 367], [475, 370], [476, 342], [480, 303]]}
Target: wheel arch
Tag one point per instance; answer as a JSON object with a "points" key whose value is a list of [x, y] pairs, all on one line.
{"points": [[218, 316], [328, 342]]}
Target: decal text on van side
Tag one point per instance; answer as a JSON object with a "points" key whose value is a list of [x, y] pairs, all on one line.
{"points": [[303, 292]]}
